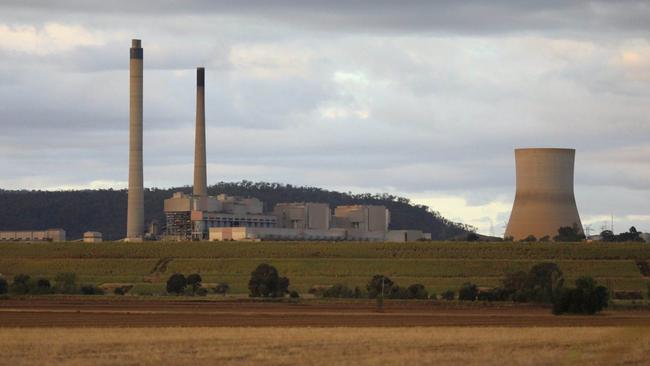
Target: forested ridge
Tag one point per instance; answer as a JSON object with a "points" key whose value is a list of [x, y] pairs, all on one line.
{"points": [[104, 210]]}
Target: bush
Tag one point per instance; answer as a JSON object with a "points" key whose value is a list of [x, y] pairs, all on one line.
{"points": [[21, 284], [222, 289], [294, 294], [448, 295], [201, 291], [339, 291], [66, 283], [586, 298], [468, 292], [176, 284], [119, 291], [417, 291], [4, 286], [91, 290], [433, 296], [265, 282], [529, 239], [194, 281], [569, 234], [376, 284]]}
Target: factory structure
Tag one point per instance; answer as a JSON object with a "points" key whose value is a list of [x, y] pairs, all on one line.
{"points": [[544, 199], [202, 217]]}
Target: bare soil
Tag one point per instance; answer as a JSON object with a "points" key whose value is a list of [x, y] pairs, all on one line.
{"points": [[108, 312]]}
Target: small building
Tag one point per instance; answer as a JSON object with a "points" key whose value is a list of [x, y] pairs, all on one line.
{"points": [[33, 235], [92, 237], [403, 236]]}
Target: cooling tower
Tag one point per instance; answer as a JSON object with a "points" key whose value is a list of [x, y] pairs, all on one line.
{"points": [[200, 174], [135, 214], [544, 199]]}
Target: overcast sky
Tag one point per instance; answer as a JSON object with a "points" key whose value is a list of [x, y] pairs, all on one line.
{"points": [[422, 99]]}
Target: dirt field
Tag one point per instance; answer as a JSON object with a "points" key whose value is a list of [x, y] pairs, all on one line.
{"points": [[109, 312], [325, 346]]}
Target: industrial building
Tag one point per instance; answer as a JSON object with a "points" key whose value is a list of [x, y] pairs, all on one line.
{"points": [[544, 199], [33, 235]]}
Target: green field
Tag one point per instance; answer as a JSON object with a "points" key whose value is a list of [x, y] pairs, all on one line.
{"points": [[437, 265]]}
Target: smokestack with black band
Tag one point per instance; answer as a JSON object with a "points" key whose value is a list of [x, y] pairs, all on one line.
{"points": [[200, 174], [135, 214]]}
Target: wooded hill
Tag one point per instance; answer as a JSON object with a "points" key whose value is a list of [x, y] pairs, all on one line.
{"points": [[105, 210]]}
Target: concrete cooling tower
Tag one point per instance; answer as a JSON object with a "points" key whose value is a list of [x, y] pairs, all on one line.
{"points": [[544, 199]]}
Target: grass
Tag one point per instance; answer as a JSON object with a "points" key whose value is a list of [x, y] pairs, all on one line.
{"points": [[437, 265], [325, 346]]}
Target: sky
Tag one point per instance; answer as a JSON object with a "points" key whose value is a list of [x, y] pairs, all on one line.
{"points": [[423, 99]]}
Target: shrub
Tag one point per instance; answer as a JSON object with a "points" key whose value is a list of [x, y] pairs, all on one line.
{"points": [[91, 290], [468, 292], [4, 286], [586, 298], [121, 290], [569, 234], [222, 289], [201, 291], [433, 296], [529, 239], [376, 284], [176, 284], [194, 281], [66, 283], [265, 282], [21, 284], [417, 291], [339, 291], [294, 294], [448, 295], [545, 239]]}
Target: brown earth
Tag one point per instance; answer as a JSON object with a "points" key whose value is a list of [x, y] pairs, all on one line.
{"points": [[98, 312]]}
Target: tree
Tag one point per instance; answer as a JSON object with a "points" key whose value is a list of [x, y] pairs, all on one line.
{"points": [[43, 286], [544, 280], [176, 284], [473, 237], [569, 234], [529, 239], [194, 281], [586, 298], [4, 286], [417, 291], [377, 284], [266, 282], [398, 292], [448, 295], [66, 283], [21, 284], [514, 286], [468, 292]]}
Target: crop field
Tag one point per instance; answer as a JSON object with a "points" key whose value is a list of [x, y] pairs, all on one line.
{"points": [[438, 265], [325, 346]]}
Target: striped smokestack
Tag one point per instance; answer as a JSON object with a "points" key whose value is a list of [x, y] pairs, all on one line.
{"points": [[200, 174], [135, 214]]}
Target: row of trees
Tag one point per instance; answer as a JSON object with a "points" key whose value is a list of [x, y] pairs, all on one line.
{"points": [[574, 234], [178, 284], [64, 283]]}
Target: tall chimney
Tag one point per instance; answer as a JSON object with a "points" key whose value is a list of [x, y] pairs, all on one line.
{"points": [[200, 175], [135, 214]]}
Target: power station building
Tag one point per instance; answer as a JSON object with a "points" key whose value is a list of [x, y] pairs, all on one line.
{"points": [[544, 199]]}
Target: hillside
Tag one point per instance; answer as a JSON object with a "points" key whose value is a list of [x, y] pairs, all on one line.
{"points": [[105, 210], [438, 266]]}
